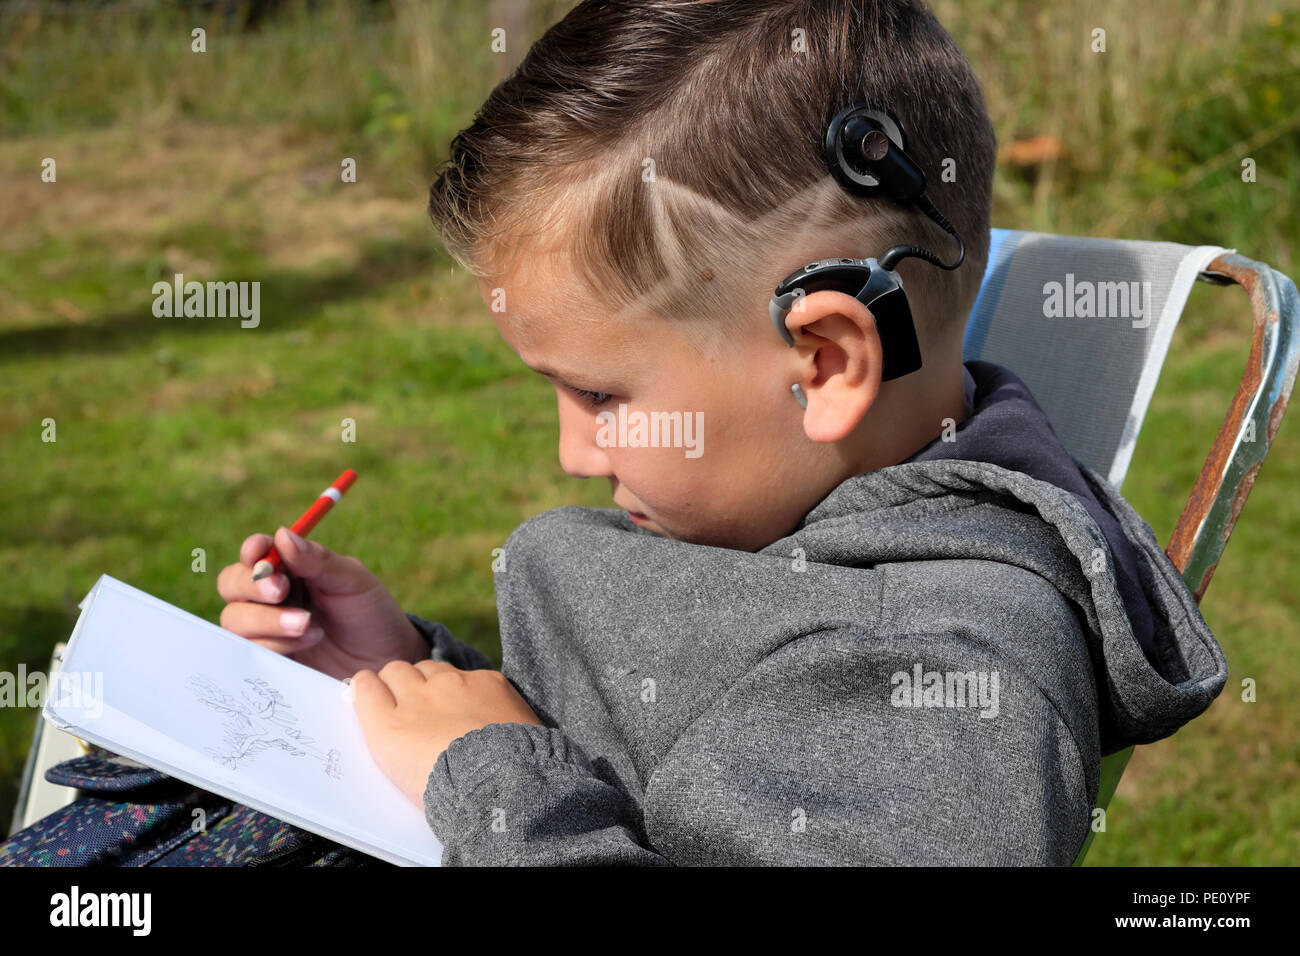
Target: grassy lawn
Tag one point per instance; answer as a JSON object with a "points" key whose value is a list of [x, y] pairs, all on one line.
{"points": [[182, 434]]}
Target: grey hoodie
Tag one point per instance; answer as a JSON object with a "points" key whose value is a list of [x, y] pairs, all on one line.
{"points": [[927, 670]]}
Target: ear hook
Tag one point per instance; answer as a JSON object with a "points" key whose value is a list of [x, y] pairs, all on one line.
{"points": [[879, 289]]}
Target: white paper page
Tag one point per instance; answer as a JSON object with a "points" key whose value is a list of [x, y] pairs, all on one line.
{"points": [[152, 682]]}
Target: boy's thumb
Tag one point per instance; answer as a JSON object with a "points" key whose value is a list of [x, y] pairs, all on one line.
{"points": [[310, 560]]}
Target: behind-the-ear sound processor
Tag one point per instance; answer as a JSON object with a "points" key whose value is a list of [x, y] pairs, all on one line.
{"points": [[864, 151]]}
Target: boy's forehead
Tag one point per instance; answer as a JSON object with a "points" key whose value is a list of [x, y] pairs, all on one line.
{"points": [[541, 283], [552, 322]]}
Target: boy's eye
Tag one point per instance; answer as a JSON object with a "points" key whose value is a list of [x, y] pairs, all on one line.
{"points": [[594, 399]]}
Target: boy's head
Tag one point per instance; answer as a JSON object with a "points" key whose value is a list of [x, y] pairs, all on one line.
{"points": [[631, 196]]}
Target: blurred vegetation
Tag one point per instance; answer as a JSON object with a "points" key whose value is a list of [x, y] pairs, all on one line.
{"points": [[183, 434]]}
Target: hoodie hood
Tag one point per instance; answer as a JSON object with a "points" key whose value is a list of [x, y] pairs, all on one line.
{"points": [[1005, 426], [1156, 663]]}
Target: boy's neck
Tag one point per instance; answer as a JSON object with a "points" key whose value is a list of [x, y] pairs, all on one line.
{"points": [[927, 406]]}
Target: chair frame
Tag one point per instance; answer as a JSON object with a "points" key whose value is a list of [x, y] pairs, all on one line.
{"points": [[1239, 448]]}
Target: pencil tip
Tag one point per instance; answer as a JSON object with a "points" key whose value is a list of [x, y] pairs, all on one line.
{"points": [[261, 570]]}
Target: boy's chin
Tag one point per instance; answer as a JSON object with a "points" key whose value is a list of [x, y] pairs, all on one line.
{"points": [[733, 539], [701, 538]]}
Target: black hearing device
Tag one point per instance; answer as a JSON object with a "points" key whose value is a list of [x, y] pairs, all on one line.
{"points": [[864, 151]]}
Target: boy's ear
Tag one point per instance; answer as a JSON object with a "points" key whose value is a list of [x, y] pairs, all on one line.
{"points": [[838, 360]]}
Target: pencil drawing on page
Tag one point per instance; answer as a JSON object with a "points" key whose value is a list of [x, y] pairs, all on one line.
{"points": [[258, 718]]}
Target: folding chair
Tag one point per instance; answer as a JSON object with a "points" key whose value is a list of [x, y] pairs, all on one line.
{"points": [[37, 797], [1093, 366]]}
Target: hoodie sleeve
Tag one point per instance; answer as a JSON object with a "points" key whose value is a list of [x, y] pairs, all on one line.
{"points": [[822, 754], [512, 794], [523, 794], [444, 647]]}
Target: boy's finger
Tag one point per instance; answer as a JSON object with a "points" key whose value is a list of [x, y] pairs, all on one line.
{"points": [[254, 548], [255, 621], [289, 645], [235, 583], [430, 668], [402, 678], [312, 561], [370, 694]]}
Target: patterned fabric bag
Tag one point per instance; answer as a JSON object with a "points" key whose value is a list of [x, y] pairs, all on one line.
{"points": [[132, 815]]}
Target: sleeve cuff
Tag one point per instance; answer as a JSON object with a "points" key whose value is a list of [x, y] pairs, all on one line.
{"points": [[477, 767], [428, 630], [444, 647]]}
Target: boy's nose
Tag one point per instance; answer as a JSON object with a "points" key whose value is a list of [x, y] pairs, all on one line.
{"points": [[580, 455]]}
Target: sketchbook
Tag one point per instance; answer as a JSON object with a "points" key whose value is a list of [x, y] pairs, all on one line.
{"points": [[149, 681]]}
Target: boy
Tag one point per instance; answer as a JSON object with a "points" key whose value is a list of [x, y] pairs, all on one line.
{"points": [[871, 621]]}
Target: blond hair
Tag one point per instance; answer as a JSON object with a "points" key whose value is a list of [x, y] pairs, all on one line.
{"points": [[672, 150]]}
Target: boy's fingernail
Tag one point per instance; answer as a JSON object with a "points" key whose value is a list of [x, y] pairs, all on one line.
{"points": [[296, 539], [313, 633], [270, 586], [294, 621]]}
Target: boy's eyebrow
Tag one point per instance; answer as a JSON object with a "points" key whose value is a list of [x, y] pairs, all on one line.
{"points": [[560, 377], [543, 370]]}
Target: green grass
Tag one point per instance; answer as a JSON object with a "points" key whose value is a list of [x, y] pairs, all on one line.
{"points": [[178, 434]]}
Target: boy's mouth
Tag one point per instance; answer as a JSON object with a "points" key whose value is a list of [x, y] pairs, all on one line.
{"points": [[638, 517]]}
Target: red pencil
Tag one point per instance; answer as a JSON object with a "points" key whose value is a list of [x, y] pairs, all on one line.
{"points": [[310, 517]]}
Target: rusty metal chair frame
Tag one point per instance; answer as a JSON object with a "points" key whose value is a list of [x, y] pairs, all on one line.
{"points": [[1239, 449]]}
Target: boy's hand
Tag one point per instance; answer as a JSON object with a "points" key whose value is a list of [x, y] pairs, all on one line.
{"points": [[336, 617], [410, 713]]}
